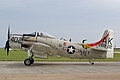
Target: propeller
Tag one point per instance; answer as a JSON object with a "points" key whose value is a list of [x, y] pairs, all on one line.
{"points": [[7, 45]]}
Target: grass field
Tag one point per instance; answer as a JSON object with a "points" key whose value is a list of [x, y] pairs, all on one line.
{"points": [[19, 55]]}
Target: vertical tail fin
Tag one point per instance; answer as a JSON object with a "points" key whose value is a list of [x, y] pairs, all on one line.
{"points": [[108, 43]]}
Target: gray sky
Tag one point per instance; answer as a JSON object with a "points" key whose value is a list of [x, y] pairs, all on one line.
{"points": [[76, 19]]}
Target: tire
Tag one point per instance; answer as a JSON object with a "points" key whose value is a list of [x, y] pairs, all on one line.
{"points": [[31, 60], [27, 62], [92, 63]]}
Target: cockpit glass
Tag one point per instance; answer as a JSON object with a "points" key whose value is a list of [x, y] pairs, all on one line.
{"points": [[34, 33], [44, 34]]}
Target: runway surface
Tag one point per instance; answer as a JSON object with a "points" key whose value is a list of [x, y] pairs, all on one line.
{"points": [[59, 67], [60, 70]]}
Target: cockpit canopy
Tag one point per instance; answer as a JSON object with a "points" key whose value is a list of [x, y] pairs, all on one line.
{"points": [[37, 34], [44, 34]]}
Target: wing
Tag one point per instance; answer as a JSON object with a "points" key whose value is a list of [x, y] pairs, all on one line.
{"points": [[42, 50]]}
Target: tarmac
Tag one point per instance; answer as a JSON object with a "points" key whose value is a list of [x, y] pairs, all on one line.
{"points": [[60, 71]]}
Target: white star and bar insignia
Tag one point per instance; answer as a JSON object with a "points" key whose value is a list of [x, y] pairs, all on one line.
{"points": [[70, 49]]}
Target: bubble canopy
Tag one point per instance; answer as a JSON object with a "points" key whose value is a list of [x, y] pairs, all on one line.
{"points": [[40, 34], [44, 34]]}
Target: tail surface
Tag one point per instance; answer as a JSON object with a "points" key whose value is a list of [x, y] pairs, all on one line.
{"points": [[108, 43]]}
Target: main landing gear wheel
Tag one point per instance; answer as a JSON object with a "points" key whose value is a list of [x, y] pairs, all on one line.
{"points": [[31, 60], [28, 62]]}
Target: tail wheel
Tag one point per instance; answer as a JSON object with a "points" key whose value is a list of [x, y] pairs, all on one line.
{"points": [[27, 62], [92, 63]]}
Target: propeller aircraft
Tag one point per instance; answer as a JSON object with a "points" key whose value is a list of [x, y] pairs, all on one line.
{"points": [[42, 45]]}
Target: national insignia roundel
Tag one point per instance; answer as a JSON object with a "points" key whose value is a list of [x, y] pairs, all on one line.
{"points": [[71, 49]]}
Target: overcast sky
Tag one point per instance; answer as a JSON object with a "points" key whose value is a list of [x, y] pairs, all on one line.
{"points": [[76, 19]]}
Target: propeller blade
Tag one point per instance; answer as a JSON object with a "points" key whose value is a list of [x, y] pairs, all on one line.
{"points": [[7, 45], [8, 32]]}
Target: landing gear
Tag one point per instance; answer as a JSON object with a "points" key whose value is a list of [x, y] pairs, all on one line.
{"points": [[32, 60], [92, 63], [28, 61]]}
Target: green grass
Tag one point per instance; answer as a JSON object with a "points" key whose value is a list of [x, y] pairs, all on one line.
{"points": [[19, 55], [16, 55], [117, 49]]}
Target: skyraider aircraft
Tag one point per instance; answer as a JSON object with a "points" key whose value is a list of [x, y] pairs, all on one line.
{"points": [[42, 45]]}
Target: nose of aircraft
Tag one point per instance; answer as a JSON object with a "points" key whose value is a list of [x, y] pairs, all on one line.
{"points": [[7, 45]]}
